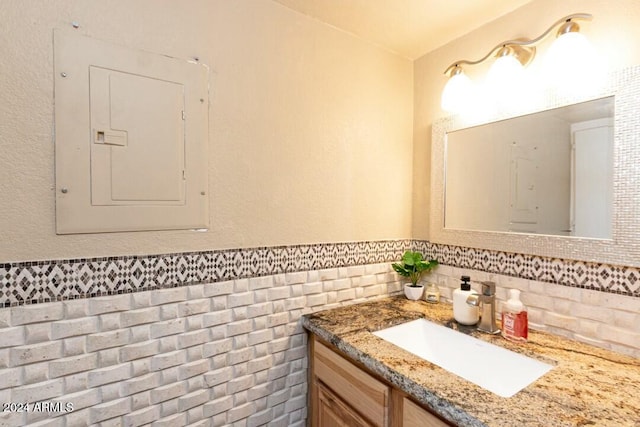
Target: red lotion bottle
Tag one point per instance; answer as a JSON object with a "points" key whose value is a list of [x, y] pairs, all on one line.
{"points": [[515, 323]]}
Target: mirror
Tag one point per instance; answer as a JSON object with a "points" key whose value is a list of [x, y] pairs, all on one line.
{"points": [[549, 172], [619, 245]]}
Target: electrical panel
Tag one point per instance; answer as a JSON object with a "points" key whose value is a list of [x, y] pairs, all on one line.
{"points": [[131, 139]]}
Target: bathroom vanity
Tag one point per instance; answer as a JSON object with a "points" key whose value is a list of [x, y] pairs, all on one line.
{"points": [[359, 398], [357, 378]]}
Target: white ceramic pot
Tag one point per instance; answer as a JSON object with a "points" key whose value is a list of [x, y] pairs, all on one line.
{"points": [[413, 292]]}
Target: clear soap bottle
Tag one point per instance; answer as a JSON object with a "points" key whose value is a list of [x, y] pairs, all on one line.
{"points": [[515, 322]]}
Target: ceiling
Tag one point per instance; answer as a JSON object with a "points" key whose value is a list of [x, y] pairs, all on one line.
{"points": [[410, 28]]}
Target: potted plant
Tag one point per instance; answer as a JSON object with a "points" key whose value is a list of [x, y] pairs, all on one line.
{"points": [[413, 266]]}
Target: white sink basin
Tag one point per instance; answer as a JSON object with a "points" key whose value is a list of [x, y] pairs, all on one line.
{"points": [[493, 368]]}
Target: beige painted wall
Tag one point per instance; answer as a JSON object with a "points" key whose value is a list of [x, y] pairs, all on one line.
{"points": [[614, 32], [311, 128]]}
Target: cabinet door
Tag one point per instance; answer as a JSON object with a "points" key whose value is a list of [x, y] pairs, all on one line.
{"points": [[334, 412], [415, 416], [356, 388]]}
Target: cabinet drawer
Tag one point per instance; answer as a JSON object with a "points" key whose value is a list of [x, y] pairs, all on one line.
{"points": [[358, 389], [333, 412]]}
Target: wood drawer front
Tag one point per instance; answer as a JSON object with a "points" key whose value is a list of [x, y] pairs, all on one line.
{"points": [[333, 412], [358, 389], [414, 416]]}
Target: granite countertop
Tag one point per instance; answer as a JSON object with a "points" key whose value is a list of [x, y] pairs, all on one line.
{"points": [[588, 386]]}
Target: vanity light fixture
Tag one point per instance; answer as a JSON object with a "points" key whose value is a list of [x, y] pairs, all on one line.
{"points": [[568, 51]]}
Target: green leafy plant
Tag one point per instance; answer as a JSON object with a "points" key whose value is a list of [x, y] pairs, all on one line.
{"points": [[413, 266]]}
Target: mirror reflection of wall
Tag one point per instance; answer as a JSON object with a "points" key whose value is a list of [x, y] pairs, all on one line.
{"points": [[543, 173]]}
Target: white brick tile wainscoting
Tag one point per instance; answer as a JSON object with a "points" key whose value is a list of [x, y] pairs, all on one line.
{"points": [[214, 339], [224, 353]]}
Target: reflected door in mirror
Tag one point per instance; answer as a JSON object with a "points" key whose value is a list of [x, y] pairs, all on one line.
{"points": [[592, 178]]}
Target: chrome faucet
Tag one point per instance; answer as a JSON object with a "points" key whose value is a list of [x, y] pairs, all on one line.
{"points": [[488, 302]]}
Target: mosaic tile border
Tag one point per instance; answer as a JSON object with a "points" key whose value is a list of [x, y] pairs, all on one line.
{"points": [[45, 281], [602, 277], [55, 280]]}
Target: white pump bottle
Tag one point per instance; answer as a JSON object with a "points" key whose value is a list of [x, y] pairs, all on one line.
{"points": [[464, 313]]}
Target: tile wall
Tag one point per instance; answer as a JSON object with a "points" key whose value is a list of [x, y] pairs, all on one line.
{"points": [[591, 302], [213, 338], [224, 353]]}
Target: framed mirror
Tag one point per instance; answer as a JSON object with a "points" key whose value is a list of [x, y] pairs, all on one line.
{"points": [[531, 184], [549, 172]]}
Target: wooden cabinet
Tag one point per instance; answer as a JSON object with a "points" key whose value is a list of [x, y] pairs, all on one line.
{"points": [[345, 395], [339, 387], [335, 412], [414, 416]]}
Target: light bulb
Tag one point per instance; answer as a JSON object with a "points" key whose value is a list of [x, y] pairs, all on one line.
{"points": [[506, 83], [572, 66], [457, 93]]}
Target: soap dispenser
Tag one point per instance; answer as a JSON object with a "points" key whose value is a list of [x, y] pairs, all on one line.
{"points": [[515, 322], [464, 313]]}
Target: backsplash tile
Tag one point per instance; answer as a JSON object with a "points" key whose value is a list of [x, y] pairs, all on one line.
{"points": [[44, 281]]}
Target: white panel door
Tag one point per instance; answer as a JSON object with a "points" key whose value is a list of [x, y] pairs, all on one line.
{"points": [[592, 179]]}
